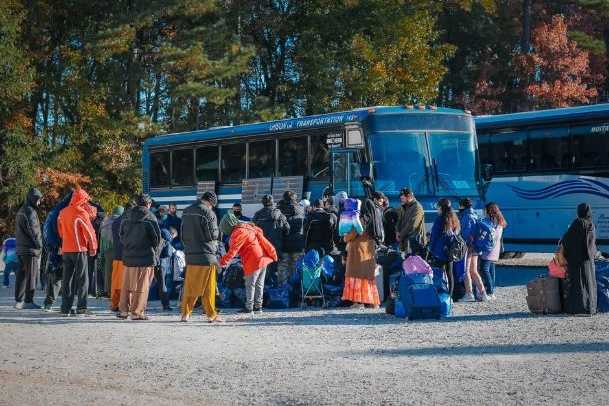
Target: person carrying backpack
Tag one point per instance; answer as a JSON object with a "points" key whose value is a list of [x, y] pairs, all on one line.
{"points": [[372, 217], [274, 225], [469, 226], [293, 243], [444, 233], [489, 258], [319, 229]]}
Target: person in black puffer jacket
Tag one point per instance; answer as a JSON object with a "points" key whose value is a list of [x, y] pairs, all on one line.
{"points": [[293, 242], [141, 240], [275, 227], [319, 229], [29, 250]]}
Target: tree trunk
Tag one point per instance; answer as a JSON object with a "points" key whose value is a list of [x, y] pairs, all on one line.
{"points": [[525, 40]]}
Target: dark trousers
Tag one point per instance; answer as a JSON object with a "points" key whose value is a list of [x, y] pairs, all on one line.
{"points": [[163, 289], [75, 280], [96, 278], [53, 288], [27, 275]]}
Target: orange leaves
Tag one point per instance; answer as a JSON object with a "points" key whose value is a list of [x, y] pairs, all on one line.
{"points": [[559, 71], [55, 184]]}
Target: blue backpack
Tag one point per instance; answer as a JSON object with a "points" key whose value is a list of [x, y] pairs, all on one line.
{"points": [[484, 236]]}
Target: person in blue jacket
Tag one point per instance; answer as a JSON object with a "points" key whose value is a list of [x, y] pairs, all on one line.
{"points": [[469, 221], [444, 227], [9, 257]]}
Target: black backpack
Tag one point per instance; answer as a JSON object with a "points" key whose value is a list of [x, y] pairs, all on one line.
{"points": [[456, 249], [372, 217]]}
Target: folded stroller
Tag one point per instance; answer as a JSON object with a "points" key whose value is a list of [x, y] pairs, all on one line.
{"points": [[311, 285]]}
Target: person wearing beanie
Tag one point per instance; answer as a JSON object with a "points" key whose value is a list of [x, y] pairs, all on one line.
{"points": [[141, 238], [294, 242], [200, 235], [273, 223]]}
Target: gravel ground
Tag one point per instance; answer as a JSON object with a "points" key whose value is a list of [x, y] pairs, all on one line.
{"points": [[487, 353]]}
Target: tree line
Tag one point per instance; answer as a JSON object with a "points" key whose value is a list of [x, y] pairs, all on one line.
{"points": [[83, 83]]}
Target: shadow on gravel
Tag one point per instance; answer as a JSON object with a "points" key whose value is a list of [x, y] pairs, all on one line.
{"points": [[482, 350]]}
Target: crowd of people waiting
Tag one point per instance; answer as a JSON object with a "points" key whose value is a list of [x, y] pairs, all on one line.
{"points": [[139, 243]]}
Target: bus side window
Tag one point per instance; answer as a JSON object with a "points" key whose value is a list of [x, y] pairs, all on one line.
{"points": [[293, 156], [182, 162], [485, 149], [261, 159], [159, 169], [233, 163], [548, 148], [590, 146], [320, 157], [510, 151], [207, 163]]}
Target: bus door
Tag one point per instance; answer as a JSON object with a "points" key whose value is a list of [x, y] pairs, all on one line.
{"points": [[346, 170]]}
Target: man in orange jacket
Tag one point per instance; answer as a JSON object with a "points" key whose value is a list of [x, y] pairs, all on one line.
{"points": [[256, 252], [78, 241]]}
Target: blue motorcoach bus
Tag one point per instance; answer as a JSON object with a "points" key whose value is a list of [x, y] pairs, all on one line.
{"points": [[431, 150], [544, 164]]}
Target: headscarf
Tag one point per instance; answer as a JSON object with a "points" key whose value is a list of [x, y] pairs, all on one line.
{"points": [[579, 241], [339, 198], [228, 222]]}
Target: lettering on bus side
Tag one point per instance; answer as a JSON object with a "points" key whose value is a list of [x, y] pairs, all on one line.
{"points": [[312, 122], [600, 129]]}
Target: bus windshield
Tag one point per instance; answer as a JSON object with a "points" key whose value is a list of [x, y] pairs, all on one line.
{"points": [[428, 163], [453, 158]]}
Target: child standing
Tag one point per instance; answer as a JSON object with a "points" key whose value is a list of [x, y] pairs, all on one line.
{"points": [[9, 257], [487, 260]]}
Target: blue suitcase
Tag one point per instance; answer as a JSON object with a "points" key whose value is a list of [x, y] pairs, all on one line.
{"points": [[420, 300]]}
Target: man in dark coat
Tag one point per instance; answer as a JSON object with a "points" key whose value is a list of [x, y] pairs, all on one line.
{"points": [[200, 235], [293, 241], [29, 250], [140, 237], [319, 229], [274, 226]]}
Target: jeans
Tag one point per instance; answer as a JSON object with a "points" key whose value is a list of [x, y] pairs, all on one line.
{"points": [[53, 288], [164, 283], [10, 267], [75, 281], [254, 289], [286, 267], [487, 268]]}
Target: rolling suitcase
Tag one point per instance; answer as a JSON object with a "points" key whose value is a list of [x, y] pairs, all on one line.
{"points": [[543, 296], [420, 300]]}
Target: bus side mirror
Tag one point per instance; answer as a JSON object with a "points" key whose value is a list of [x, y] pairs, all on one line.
{"points": [[488, 171]]}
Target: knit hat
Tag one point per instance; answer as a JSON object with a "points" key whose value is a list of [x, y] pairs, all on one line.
{"points": [[118, 211], [143, 199], [267, 200], [211, 198], [228, 222]]}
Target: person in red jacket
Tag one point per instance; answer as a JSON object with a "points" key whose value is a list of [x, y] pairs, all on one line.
{"points": [[256, 252], [78, 241]]}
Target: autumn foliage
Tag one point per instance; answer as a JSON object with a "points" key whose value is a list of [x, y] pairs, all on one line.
{"points": [[558, 70]]}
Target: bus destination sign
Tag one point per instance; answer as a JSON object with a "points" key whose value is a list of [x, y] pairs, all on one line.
{"points": [[335, 140]]}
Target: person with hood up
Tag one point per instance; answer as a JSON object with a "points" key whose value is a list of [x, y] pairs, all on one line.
{"points": [[78, 242], [579, 244], [293, 243], [29, 249], [273, 223], [141, 238], [256, 252], [118, 268], [106, 248], [200, 235]]}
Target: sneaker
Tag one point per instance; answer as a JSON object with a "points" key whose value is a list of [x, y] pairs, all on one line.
{"points": [[31, 306], [84, 312], [258, 310], [469, 298], [245, 310], [19, 305], [167, 309], [47, 308], [485, 298], [72, 312], [493, 297]]}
